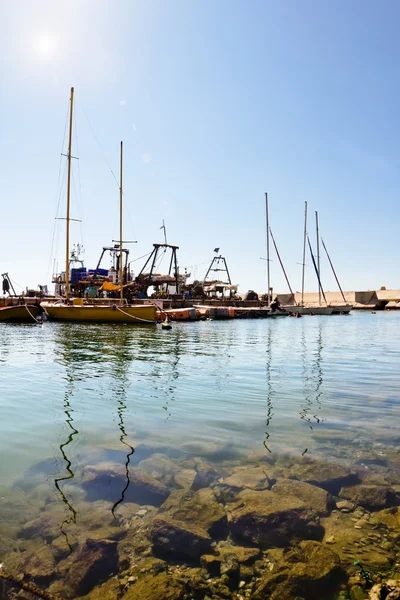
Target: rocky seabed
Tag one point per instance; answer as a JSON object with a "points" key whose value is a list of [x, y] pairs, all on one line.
{"points": [[191, 528]]}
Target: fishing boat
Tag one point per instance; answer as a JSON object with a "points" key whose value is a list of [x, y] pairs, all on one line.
{"points": [[20, 313], [79, 309]]}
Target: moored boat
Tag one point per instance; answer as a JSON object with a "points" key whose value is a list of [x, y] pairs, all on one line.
{"points": [[140, 313], [78, 310], [20, 313]]}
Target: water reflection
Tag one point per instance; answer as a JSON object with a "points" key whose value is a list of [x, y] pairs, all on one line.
{"points": [[119, 373], [71, 433], [312, 377], [270, 389]]}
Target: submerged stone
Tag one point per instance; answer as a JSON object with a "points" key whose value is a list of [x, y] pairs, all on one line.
{"points": [[309, 571], [254, 478], [315, 497], [328, 476], [108, 480], [108, 591], [387, 590], [372, 497], [96, 561], [160, 587], [187, 523], [207, 473], [271, 519]]}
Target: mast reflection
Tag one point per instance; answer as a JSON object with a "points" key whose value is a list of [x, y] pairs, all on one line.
{"points": [[270, 390], [312, 375], [71, 433], [121, 378]]}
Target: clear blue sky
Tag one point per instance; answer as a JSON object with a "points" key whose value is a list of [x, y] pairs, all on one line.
{"points": [[217, 102]]}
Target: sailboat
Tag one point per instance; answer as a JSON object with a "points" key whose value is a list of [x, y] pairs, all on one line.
{"points": [[76, 309], [345, 308]]}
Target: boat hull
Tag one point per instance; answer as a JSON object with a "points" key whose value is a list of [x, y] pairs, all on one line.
{"points": [[20, 313], [342, 309], [310, 310], [146, 313]]}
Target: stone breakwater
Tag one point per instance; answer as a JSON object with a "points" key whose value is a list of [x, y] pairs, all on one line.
{"points": [[188, 527]]}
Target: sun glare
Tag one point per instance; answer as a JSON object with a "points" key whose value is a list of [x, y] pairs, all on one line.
{"points": [[44, 45]]}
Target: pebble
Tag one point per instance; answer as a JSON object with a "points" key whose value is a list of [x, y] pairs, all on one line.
{"points": [[242, 584], [141, 512], [330, 540]]}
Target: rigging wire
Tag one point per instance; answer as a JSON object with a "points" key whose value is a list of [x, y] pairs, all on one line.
{"points": [[60, 185], [100, 147], [79, 196]]}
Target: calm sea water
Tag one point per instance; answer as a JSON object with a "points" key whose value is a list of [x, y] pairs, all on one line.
{"points": [[232, 392], [71, 392]]}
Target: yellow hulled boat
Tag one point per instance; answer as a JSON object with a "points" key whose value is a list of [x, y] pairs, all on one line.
{"points": [[141, 313], [76, 309]]}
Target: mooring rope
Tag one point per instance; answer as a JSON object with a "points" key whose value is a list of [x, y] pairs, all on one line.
{"points": [[34, 318], [132, 317]]}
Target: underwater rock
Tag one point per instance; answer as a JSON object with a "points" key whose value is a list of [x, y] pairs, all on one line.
{"points": [[158, 466], [328, 476], [207, 474], [96, 561], [160, 587], [108, 591], [315, 497], [184, 478], [254, 478], [345, 505], [243, 557], [216, 451], [212, 564], [358, 593], [309, 571], [372, 497], [387, 590], [230, 565], [37, 562], [187, 523], [269, 519], [107, 480]]}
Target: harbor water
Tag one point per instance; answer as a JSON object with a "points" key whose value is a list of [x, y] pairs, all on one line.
{"points": [[101, 425]]}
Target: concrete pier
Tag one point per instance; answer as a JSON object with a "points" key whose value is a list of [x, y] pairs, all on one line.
{"points": [[367, 300]]}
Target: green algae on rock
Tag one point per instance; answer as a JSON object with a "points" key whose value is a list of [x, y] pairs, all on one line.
{"points": [[269, 519], [373, 497], [315, 497], [187, 523], [310, 571]]}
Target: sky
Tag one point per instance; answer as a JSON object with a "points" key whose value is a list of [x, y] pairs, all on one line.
{"points": [[217, 103]]}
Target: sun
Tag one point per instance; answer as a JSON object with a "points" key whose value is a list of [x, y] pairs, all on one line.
{"points": [[44, 45]]}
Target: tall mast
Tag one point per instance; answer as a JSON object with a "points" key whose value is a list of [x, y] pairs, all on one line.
{"points": [[69, 156], [334, 272], [318, 259], [268, 274], [121, 279], [304, 254]]}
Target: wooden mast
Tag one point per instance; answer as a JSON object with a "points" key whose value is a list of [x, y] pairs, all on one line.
{"points": [[69, 156], [318, 258], [121, 271], [304, 254], [268, 272]]}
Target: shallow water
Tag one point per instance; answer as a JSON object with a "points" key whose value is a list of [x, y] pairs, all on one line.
{"points": [[77, 395]]}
